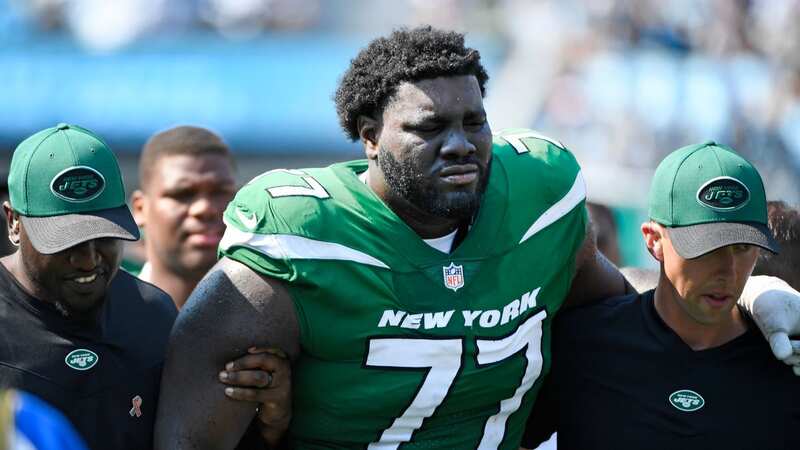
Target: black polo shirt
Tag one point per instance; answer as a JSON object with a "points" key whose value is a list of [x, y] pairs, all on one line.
{"points": [[104, 377], [622, 379]]}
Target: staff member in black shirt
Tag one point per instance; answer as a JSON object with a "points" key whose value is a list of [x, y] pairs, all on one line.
{"points": [[678, 367], [74, 330]]}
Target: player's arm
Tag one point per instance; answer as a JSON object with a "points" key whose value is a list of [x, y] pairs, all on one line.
{"points": [[232, 309], [596, 278]]}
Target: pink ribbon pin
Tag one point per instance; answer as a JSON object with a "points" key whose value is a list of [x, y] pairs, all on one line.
{"points": [[137, 407]]}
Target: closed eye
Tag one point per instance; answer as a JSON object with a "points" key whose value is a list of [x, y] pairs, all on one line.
{"points": [[427, 127], [475, 125]]}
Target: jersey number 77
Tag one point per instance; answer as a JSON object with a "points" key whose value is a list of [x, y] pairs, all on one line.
{"points": [[441, 359]]}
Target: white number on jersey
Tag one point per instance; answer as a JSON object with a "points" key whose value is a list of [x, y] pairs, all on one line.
{"points": [[443, 358], [313, 188], [515, 139]]}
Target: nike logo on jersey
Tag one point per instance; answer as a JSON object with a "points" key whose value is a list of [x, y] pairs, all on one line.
{"points": [[249, 222], [441, 319]]}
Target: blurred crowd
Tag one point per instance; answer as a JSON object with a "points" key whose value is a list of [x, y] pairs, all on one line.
{"points": [[621, 82], [103, 25], [624, 82]]}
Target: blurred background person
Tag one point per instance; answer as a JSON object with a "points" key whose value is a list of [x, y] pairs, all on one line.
{"points": [[605, 229], [784, 221], [186, 177]]}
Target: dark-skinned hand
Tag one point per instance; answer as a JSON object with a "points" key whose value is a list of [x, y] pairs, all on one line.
{"points": [[263, 376]]}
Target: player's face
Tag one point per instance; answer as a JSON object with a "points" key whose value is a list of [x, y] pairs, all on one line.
{"points": [[709, 286], [75, 279], [435, 145], [182, 215]]}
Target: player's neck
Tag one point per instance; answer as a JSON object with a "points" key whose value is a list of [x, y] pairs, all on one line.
{"points": [[425, 225], [697, 335], [177, 286]]}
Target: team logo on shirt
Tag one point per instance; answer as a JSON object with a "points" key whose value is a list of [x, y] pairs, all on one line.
{"points": [[81, 359], [686, 400], [453, 277]]}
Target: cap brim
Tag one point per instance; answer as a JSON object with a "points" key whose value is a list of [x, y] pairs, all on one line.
{"points": [[56, 233], [697, 240]]}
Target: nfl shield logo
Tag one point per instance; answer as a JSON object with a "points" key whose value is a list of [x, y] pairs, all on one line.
{"points": [[453, 277]]}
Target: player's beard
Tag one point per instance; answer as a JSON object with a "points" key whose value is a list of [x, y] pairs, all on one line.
{"points": [[409, 181]]}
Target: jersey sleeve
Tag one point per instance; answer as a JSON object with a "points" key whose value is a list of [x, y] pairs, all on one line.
{"points": [[545, 185], [545, 168], [258, 225]]}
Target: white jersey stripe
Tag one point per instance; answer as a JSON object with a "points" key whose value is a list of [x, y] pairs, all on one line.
{"points": [[576, 194], [287, 246]]}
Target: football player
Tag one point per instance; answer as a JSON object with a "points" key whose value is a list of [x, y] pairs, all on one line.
{"points": [[186, 176], [414, 290]]}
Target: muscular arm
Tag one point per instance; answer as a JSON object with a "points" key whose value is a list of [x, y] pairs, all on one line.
{"points": [[232, 308], [596, 278]]}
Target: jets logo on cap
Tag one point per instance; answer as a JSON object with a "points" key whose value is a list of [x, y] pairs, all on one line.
{"points": [[78, 184], [723, 194]]}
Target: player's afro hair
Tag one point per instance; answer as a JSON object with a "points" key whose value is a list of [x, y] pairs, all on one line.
{"points": [[405, 55]]}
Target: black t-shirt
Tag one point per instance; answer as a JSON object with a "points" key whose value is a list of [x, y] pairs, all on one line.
{"points": [[622, 379], [103, 377]]}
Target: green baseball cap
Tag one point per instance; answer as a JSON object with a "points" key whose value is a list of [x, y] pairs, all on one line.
{"points": [[710, 197], [67, 187]]}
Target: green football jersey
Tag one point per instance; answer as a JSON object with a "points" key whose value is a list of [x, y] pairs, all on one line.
{"points": [[404, 346]]}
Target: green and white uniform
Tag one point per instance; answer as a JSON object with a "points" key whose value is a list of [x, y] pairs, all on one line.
{"points": [[404, 346]]}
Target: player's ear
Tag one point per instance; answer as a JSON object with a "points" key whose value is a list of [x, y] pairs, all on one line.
{"points": [[12, 222], [369, 132], [139, 207], [653, 235]]}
